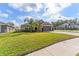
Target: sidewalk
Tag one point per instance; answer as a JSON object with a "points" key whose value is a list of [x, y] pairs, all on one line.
{"points": [[64, 48]]}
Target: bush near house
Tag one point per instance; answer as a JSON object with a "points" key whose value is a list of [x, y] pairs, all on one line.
{"points": [[23, 43]]}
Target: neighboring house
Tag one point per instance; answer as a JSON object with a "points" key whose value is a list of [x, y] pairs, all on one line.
{"points": [[68, 26], [5, 28], [44, 26]]}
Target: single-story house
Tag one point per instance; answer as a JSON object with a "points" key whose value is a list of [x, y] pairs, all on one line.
{"points": [[6, 28], [68, 26], [44, 26]]}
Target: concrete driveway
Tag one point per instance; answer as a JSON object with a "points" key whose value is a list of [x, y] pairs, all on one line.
{"points": [[69, 33], [64, 48]]}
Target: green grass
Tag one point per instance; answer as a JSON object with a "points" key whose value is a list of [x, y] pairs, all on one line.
{"points": [[12, 44]]}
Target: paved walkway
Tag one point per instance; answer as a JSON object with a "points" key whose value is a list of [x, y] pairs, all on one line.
{"points": [[64, 48], [70, 33]]}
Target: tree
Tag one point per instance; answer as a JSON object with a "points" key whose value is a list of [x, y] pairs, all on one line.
{"points": [[57, 23], [30, 23], [35, 25]]}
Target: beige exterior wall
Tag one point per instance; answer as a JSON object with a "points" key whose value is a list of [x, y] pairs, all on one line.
{"points": [[9, 29]]}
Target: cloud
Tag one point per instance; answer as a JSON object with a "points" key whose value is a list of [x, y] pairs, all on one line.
{"points": [[23, 17], [9, 11], [39, 6], [2, 14], [15, 22], [53, 9], [26, 7], [58, 17], [77, 15], [50, 9], [16, 5]]}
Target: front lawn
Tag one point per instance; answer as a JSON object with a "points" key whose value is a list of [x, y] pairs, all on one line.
{"points": [[24, 43]]}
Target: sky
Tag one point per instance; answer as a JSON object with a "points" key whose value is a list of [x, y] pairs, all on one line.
{"points": [[17, 12]]}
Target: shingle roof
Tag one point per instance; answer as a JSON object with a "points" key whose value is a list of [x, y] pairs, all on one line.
{"points": [[1, 23], [46, 23], [5, 24]]}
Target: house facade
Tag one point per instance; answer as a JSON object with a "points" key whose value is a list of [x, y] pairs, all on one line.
{"points": [[44, 26], [5, 28], [68, 26]]}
